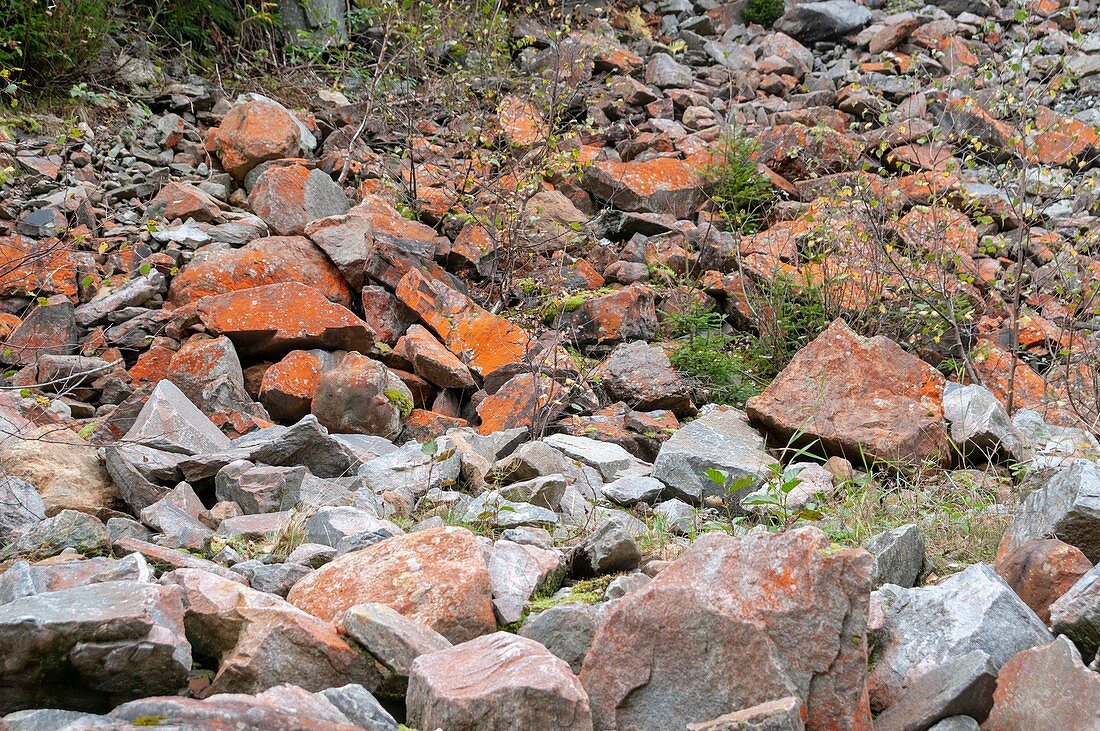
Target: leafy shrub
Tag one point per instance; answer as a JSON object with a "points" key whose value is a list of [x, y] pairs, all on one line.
{"points": [[196, 22], [762, 12], [46, 43], [739, 191]]}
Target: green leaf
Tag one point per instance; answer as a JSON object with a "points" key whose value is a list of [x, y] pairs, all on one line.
{"points": [[718, 477]]}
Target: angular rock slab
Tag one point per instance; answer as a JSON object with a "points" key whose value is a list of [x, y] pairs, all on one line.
{"points": [[1066, 508], [960, 687], [861, 398], [170, 422], [1076, 614], [497, 682], [784, 714], [517, 571], [437, 577], [90, 647], [1042, 570], [915, 630], [771, 616], [1043, 686]]}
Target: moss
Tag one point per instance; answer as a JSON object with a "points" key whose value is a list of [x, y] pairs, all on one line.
{"points": [[589, 591], [403, 403], [150, 720]]}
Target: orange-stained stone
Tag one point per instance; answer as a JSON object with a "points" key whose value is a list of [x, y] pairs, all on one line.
{"points": [[931, 157], [821, 151], [660, 185], [526, 400], [152, 365], [424, 425], [437, 577], [627, 314], [1041, 570], [184, 201], [433, 361], [483, 341], [393, 228], [270, 260], [43, 267], [993, 365], [521, 122], [278, 318], [287, 388], [926, 187], [252, 133], [938, 229], [8, 323], [969, 121], [1061, 140]]}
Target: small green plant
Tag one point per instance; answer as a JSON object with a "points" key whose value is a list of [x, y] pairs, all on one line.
{"points": [[762, 12], [403, 403], [739, 191]]}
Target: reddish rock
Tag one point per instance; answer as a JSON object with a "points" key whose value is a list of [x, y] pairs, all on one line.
{"points": [[938, 229], [1046, 687], [270, 260], [627, 314], [772, 615], [1061, 140], [389, 317], [521, 122], [434, 362], [151, 365], [437, 577], [527, 400], [861, 398], [661, 185], [1042, 570], [8, 323], [484, 341], [289, 197], [967, 120], [642, 376], [252, 133], [44, 266], [993, 365], [496, 683], [287, 387], [278, 318], [390, 227], [821, 151], [424, 425], [361, 396], [183, 201], [49, 329]]}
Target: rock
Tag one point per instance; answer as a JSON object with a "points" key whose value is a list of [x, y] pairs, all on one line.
{"points": [[437, 577], [134, 293], [956, 723], [329, 525], [1042, 685], [47, 719], [641, 375], [63, 468], [543, 492], [861, 398], [252, 133], [566, 630], [288, 386], [360, 707], [959, 687], [482, 340], [68, 529], [411, 469], [631, 490], [347, 240], [517, 572], [608, 549], [610, 459], [823, 21], [209, 373], [720, 439], [274, 319], [1066, 508], [288, 197], [899, 556], [47, 330], [1041, 570], [740, 610], [169, 558], [261, 641], [86, 648], [20, 505], [660, 185], [664, 72], [184, 201], [434, 362], [979, 421], [170, 422], [23, 579], [362, 396], [272, 578], [500, 681], [267, 261], [489, 508], [602, 322], [281, 707], [526, 401], [391, 638], [916, 630], [309, 444], [784, 714], [1076, 614]]}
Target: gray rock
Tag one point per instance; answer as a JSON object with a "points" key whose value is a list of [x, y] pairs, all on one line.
{"points": [[118, 528], [679, 517], [956, 723], [1066, 508], [623, 585], [306, 443], [178, 529], [784, 714], [899, 556], [610, 459], [1051, 446], [565, 630], [23, 579], [313, 555], [171, 423], [979, 421], [124, 463], [133, 293], [545, 491], [960, 687], [631, 490], [608, 549], [981, 8], [720, 439], [411, 468], [1076, 614], [83, 648], [260, 489], [913, 631], [492, 509], [822, 21], [391, 638], [517, 572], [360, 707], [21, 505], [529, 536], [49, 719], [363, 539], [328, 526], [531, 460], [272, 578], [68, 529], [664, 72]]}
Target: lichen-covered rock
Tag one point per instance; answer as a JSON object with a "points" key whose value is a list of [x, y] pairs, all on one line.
{"points": [[362, 396]]}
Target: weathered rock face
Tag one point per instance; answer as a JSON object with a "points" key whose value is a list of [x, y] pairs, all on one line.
{"points": [[1076, 613], [566, 630], [497, 682], [641, 375], [362, 396], [289, 197], [1066, 508], [62, 467], [1045, 685], [862, 398], [262, 641], [437, 577], [270, 260], [252, 133], [661, 185], [517, 571], [823, 21], [737, 610], [90, 647], [1042, 570], [914, 631]]}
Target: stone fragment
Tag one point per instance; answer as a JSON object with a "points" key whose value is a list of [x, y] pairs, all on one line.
{"points": [[642, 376], [631, 490], [605, 321], [362, 396], [960, 687], [1045, 685], [20, 505], [784, 714], [659, 185], [183, 201], [1041, 570], [899, 556], [391, 638], [170, 422], [566, 630], [252, 133], [81, 532], [347, 239], [360, 707], [1076, 614], [823, 21], [1067, 507], [517, 572], [608, 549], [979, 421], [434, 362], [289, 197]]}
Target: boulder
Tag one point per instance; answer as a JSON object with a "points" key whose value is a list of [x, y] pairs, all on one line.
{"points": [[519, 571], [289, 197], [608, 549], [861, 398], [20, 505], [823, 21], [170, 422], [899, 556], [1076, 614], [287, 387], [959, 687], [69, 529], [184, 201], [916, 630], [63, 468], [773, 616], [1067, 507], [1045, 685], [642, 376], [607, 320], [437, 577], [659, 185], [567, 630], [252, 133], [1042, 570], [90, 647], [347, 239], [434, 362], [497, 682], [979, 421], [48, 330], [362, 396], [391, 638]]}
